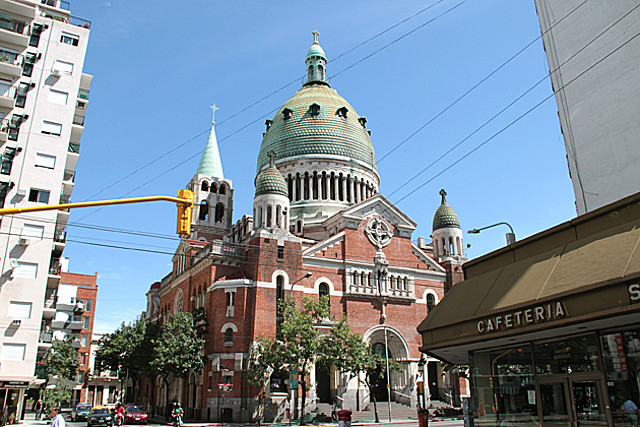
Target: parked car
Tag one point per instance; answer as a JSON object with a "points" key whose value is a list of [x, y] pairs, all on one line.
{"points": [[100, 416], [80, 412], [133, 414]]}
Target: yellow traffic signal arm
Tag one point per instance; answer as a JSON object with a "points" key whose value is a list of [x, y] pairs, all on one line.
{"points": [[184, 201]]}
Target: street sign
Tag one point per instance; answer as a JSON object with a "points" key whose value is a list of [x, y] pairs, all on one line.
{"points": [[294, 380]]}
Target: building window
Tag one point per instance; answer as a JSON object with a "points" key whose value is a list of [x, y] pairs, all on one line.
{"points": [[86, 323], [204, 211], [230, 303], [20, 310], [7, 160], [323, 291], [58, 97], [280, 252], [51, 128], [279, 296], [70, 39], [84, 340], [34, 232], [62, 67], [228, 336], [45, 161], [205, 186], [87, 305], [13, 351], [26, 270], [219, 210], [223, 189], [21, 96], [39, 196], [36, 30], [431, 302], [29, 60], [214, 187]]}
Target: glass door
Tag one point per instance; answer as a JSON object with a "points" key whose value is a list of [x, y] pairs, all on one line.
{"points": [[587, 397], [554, 405]]}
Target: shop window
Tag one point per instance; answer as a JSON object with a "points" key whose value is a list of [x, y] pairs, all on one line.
{"points": [[566, 356]]}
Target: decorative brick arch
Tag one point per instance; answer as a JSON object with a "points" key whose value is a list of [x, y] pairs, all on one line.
{"points": [[328, 282], [397, 344]]}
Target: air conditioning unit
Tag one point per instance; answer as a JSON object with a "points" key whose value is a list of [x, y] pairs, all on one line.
{"points": [[55, 72], [21, 192], [23, 241], [16, 322], [13, 263]]}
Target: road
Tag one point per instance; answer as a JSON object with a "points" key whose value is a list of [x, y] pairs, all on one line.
{"points": [[444, 423]]}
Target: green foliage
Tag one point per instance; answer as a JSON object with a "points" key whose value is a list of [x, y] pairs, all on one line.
{"points": [[56, 396], [178, 348], [62, 361], [126, 350]]}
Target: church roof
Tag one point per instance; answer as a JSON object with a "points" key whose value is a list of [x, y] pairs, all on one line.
{"points": [[210, 163], [271, 181], [445, 216], [324, 133], [316, 50]]}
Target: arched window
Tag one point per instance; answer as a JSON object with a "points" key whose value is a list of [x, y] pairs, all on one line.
{"points": [[204, 211], [323, 290], [279, 296], [228, 336], [223, 189], [320, 72], [269, 214], [431, 302], [310, 73], [214, 187], [219, 211], [205, 186], [278, 219]]}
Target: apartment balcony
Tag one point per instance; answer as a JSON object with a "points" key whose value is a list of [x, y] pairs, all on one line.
{"points": [[77, 129], [71, 324], [59, 241], [76, 343], [63, 214], [68, 182], [10, 63], [14, 32], [45, 338], [58, 4], [66, 303], [4, 130], [49, 310], [73, 152], [7, 96]]}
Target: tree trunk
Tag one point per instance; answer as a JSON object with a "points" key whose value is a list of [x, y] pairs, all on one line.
{"points": [[168, 404], [303, 383], [375, 404]]}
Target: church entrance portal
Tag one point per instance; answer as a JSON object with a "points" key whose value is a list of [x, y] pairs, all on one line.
{"points": [[379, 376]]}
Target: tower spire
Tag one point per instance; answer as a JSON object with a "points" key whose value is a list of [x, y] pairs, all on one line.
{"points": [[210, 163], [316, 63]]}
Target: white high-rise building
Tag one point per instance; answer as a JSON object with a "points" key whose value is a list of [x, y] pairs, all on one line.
{"points": [[43, 98]]}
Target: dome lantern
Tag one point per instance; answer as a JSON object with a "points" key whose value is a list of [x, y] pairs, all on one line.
{"points": [[316, 63]]}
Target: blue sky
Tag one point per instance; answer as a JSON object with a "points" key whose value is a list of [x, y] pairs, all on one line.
{"points": [[159, 65]]}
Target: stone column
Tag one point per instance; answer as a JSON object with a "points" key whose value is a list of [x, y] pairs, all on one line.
{"points": [[335, 187], [344, 188]]}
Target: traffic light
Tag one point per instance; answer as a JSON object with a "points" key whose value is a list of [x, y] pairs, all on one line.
{"points": [[184, 212]]}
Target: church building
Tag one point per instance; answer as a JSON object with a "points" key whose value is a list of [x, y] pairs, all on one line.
{"points": [[319, 226]]}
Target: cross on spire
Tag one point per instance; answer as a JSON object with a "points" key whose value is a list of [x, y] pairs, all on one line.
{"points": [[315, 36], [214, 108], [443, 194], [272, 158]]}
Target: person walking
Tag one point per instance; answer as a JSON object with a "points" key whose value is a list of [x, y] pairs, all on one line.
{"points": [[38, 408], [57, 419]]}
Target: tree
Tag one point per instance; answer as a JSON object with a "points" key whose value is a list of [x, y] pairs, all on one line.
{"points": [[348, 352], [296, 347], [125, 352], [61, 364], [178, 348]]}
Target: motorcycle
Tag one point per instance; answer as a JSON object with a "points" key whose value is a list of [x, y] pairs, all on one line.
{"points": [[119, 420], [177, 420]]}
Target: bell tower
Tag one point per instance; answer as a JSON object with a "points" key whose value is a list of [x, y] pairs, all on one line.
{"points": [[211, 216]]}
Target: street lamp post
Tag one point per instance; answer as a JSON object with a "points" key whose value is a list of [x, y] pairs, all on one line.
{"points": [[291, 409], [511, 236]]}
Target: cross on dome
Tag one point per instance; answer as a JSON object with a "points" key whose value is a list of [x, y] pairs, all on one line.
{"points": [[272, 158], [315, 36], [443, 194]]}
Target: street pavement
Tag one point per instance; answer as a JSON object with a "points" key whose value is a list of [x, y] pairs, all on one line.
{"points": [[29, 421]]}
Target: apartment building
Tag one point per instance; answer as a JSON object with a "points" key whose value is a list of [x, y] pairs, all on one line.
{"points": [[43, 98]]}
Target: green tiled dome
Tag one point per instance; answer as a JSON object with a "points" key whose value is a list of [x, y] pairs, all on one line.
{"points": [[327, 133], [445, 216], [271, 181]]}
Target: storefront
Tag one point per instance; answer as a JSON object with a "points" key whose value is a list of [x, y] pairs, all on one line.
{"points": [[550, 326], [11, 397]]}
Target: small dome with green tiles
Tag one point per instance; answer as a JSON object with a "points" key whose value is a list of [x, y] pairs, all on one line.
{"points": [[271, 181], [445, 216]]}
